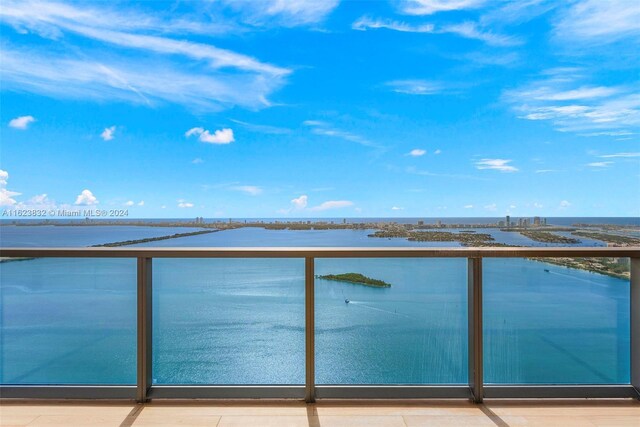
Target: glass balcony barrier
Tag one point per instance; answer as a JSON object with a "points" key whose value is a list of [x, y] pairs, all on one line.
{"points": [[325, 323]]}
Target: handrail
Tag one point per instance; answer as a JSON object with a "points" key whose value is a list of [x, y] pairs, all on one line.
{"points": [[475, 389], [324, 252]]}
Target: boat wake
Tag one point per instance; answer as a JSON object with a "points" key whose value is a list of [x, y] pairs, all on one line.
{"points": [[580, 279], [370, 307]]}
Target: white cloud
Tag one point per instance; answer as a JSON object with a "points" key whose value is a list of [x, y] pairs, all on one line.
{"points": [[623, 155], [417, 152], [599, 21], [45, 17], [21, 122], [584, 92], [438, 151], [599, 164], [39, 199], [4, 177], [141, 203], [202, 76], [184, 204], [331, 204], [416, 87], [274, 130], [286, 13], [537, 205], [129, 203], [545, 170], [300, 202], [6, 196], [469, 30], [429, 7], [222, 136], [194, 131], [86, 198], [610, 133], [564, 204], [252, 190], [491, 207], [107, 133], [501, 165], [366, 23], [197, 161], [563, 98], [325, 129], [396, 208], [468, 206], [315, 123]]}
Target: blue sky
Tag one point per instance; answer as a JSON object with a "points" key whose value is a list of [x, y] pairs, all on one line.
{"points": [[274, 108]]}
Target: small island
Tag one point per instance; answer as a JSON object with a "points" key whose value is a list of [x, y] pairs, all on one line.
{"points": [[153, 239], [465, 238], [355, 278], [611, 239], [547, 237]]}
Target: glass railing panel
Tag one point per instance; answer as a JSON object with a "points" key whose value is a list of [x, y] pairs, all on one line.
{"points": [[228, 321], [413, 332], [68, 321], [556, 321]]}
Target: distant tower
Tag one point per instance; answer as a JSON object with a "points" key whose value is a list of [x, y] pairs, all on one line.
{"points": [[508, 221]]}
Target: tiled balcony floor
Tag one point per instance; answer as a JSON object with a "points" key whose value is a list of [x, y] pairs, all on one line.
{"points": [[583, 413]]}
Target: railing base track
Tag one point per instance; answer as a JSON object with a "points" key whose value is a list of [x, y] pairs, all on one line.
{"points": [[390, 392]]}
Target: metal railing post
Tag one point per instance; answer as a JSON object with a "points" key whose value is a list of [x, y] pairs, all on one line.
{"points": [[310, 354], [635, 324], [474, 301], [145, 327]]}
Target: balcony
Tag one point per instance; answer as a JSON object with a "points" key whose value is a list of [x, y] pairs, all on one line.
{"points": [[462, 336]]}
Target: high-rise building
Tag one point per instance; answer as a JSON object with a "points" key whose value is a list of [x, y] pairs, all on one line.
{"points": [[508, 221], [536, 221]]}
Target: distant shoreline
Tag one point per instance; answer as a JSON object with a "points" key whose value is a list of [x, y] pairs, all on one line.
{"points": [[610, 234]]}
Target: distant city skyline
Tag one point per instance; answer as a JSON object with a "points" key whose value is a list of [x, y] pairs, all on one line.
{"points": [[337, 109]]}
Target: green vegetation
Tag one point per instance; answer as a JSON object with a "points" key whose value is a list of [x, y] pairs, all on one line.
{"points": [[546, 237], [466, 239], [614, 267], [153, 239], [356, 278], [609, 238]]}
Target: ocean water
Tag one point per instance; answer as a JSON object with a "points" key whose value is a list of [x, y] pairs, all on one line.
{"points": [[241, 321], [49, 236]]}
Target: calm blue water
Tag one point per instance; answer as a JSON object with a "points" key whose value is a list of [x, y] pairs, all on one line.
{"points": [[564, 221], [76, 236], [242, 321]]}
